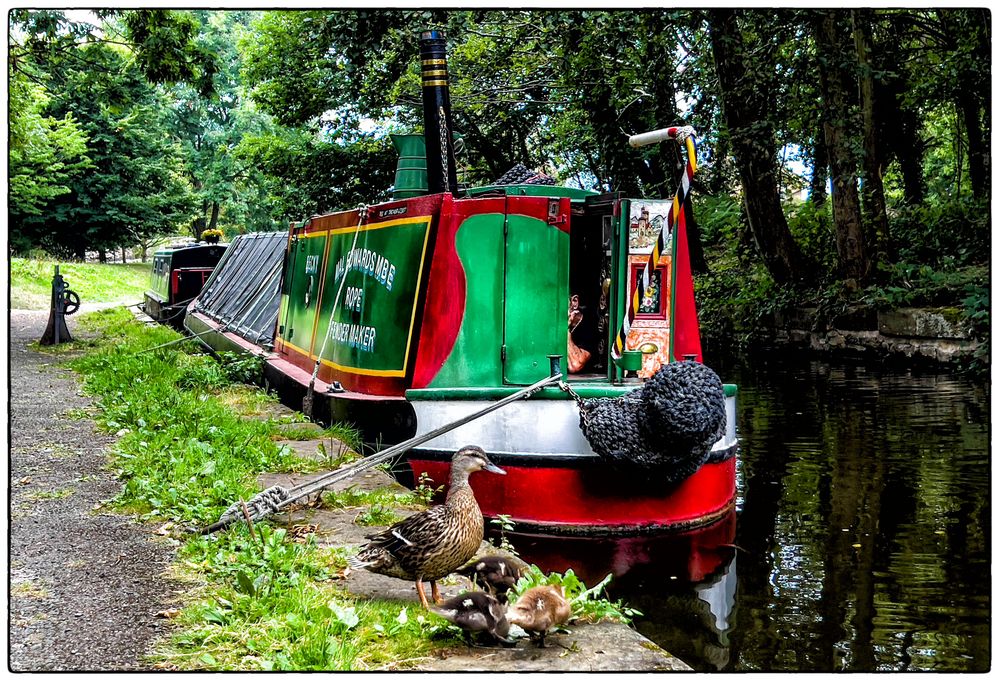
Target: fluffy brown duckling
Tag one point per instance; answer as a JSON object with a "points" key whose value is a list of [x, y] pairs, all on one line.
{"points": [[495, 574], [430, 545], [540, 608], [477, 611]]}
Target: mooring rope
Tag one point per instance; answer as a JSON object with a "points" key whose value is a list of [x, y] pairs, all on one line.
{"points": [[276, 497], [684, 135]]}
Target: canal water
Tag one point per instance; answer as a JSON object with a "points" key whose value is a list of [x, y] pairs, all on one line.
{"points": [[860, 540]]}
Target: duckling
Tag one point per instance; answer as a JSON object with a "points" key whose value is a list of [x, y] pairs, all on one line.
{"points": [[540, 609], [495, 574], [432, 544], [477, 611]]}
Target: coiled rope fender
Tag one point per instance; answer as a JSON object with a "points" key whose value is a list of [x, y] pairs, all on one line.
{"points": [[665, 428]]}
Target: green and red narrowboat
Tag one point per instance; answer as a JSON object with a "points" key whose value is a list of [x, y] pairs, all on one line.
{"points": [[407, 315]]}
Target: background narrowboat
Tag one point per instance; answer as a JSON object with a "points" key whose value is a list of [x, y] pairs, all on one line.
{"points": [[177, 277]]}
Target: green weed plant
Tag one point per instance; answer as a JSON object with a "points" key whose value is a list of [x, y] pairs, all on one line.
{"points": [[259, 601], [275, 605]]}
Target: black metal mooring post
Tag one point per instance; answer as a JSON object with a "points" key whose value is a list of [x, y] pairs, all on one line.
{"points": [[442, 175], [56, 331]]}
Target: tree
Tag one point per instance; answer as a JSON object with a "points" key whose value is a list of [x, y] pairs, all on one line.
{"points": [[304, 176], [897, 119], [135, 186], [211, 126], [45, 154], [837, 68], [872, 188], [744, 104], [968, 54], [161, 42]]}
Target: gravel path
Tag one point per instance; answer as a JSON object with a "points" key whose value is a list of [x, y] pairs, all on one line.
{"points": [[85, 585]]}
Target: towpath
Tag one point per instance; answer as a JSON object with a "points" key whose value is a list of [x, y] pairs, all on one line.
{"points": [[85, 585]]}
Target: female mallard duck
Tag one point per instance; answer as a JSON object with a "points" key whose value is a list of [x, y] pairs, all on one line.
{"points": [[540, 609], [432, 544], [477, 611], [495, 574]]}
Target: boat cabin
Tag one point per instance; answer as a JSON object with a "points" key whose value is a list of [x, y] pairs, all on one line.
{"points": [[177, 278]]}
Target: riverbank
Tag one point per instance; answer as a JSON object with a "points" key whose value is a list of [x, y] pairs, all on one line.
{"points": [[339, 524], [937, 334]]}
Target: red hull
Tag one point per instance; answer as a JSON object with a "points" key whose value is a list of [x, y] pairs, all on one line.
{"points": [[583, 500]]}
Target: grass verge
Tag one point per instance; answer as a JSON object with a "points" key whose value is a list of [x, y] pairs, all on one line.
{"points": [[31, 282], [256, 602]]}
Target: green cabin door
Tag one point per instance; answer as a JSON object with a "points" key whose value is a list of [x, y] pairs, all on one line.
{"points": [[536, 298]]}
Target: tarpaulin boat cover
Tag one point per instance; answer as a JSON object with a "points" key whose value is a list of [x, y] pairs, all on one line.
{"points": [[244, 291]]}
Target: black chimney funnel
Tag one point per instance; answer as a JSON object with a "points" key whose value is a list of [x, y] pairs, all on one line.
{"points": [[442, 175]]}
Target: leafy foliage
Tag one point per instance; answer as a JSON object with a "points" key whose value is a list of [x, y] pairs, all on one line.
{"points": [[262, 601], [45, 152], [182, 455], [274, 604]]}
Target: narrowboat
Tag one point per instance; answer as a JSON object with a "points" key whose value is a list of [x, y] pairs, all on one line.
{"points": [[404, 316], [177, 277]]}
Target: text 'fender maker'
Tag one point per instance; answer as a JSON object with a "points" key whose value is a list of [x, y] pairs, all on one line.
{"points": [[424, 309]]}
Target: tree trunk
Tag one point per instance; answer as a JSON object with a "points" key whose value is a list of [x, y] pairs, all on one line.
{"points": [[873, 188], [744, 106], [496, 157], [820, 169], [909, 152], [198, 226], [621, 162], [973, 92], [898, 128], [835, 64], [977, 150], [215, 215], [596, 170], [102, 255]]}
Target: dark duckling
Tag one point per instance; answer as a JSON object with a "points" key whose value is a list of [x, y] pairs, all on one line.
{"points": [[477, 611], [540, 608], [494, 574], [432, 544]]}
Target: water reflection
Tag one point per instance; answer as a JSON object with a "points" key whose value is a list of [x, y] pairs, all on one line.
{"points": [[863, 531], [683, 583], [865, 517]]}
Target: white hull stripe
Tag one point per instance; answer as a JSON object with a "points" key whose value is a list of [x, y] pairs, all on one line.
{"points": [[541, 428]]}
